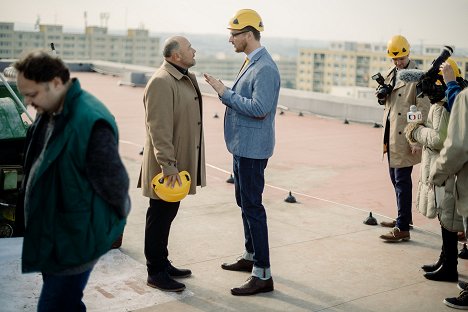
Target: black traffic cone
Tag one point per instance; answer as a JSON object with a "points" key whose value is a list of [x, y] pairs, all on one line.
{"points": [[230, 179], [370, 220], [290, 199]]}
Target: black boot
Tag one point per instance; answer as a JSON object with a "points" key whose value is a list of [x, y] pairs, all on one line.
{"points": [[433, 267], [445, 273], [448, 270]]}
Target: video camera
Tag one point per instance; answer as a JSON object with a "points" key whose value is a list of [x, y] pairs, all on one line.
{"points": [[427, 84], [383, 90]]}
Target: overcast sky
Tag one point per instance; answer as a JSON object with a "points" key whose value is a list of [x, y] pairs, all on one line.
{"points": [[421, 21]]}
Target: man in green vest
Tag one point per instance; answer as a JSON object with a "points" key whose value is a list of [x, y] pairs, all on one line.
{"points": [[75, 188]]}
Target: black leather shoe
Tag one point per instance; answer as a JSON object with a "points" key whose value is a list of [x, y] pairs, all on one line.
{"points": [[253, 286], [175, 272], [443, 274], [240, 265], [432, 267], [163, 281]]}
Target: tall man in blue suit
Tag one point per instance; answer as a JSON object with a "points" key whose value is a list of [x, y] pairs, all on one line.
{"points": [[249, 132]]}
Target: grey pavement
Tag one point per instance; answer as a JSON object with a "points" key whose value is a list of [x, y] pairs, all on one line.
{"points": [[323, 257]]}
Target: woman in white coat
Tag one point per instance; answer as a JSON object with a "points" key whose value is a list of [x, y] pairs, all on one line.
{"points": [[437, 201]]}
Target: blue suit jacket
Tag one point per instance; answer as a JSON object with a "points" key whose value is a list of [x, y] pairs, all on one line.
{"points": [[249, 121]]}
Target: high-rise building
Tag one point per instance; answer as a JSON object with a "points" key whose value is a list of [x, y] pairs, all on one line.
{"points": [[352, 64], [136, 47], [227, 67]]}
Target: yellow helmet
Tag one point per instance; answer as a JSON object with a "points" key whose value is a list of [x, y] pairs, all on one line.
{"points": [[244, 18], [454, 66], [169, 194], [397, 46]]}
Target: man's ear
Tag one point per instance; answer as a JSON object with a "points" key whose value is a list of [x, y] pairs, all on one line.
{"points": [[57, 82]]}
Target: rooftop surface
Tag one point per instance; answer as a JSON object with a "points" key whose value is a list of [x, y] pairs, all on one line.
{"points": [[323, 258]]}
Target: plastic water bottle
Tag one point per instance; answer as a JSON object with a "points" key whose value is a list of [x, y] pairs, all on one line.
{"points": [[414, 115]]}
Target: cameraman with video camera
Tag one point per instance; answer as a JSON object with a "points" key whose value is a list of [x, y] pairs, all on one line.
{"points": [[398, 96]]}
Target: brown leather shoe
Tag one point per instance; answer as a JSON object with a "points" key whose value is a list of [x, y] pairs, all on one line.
{"points": [[390, 224], [240, 265], [395, 235], [253, 286]]}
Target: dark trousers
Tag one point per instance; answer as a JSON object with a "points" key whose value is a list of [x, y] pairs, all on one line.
{"points": [[159, 217], [401, 180], [449, 249], [249, 183], [63, 292]]}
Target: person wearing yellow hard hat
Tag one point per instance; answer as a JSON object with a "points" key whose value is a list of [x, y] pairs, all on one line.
{"points": [[401, 156], [440, 201], [453, 79], [249, 132], [173, 156]]}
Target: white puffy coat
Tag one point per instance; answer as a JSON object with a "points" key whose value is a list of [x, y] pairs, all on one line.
{"points": [[431, 136]]}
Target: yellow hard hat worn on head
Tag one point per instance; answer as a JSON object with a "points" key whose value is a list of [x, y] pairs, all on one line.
{"points": [[244, 18], [398, 46], [454, 66], [169, 194], [456, 70]]}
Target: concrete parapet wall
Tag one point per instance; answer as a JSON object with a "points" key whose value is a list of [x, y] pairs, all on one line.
{"points": [[360, 110]]}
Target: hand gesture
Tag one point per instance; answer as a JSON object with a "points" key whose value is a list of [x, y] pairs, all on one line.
{"points": [[216, 84]]}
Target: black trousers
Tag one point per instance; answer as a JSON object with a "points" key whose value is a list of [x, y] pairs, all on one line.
{"points": [[159, 217], [450, 248]]}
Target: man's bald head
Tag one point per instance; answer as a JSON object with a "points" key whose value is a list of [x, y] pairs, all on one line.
{"points": [[172, 45], [178, 50]]}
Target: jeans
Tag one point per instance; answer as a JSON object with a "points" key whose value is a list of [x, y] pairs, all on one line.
{"points": [[249, 183], [159, 217], [401, 180], [63, 292]]}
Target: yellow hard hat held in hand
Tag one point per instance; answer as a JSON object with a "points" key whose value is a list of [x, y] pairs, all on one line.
{"points": [[168, 193]]}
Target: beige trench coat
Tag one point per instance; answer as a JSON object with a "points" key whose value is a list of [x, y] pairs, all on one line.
{"points": [[174, 128], [397, 104]]}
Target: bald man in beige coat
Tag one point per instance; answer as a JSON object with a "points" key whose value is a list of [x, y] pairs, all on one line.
{"points": [[174, 142]]}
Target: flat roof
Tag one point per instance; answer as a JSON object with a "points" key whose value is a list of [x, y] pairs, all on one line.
{"points": [[323, 257]]}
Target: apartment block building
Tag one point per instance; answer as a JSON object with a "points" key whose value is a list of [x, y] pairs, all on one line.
{"points": [[227, 67], [351, 64], [136, 47]]}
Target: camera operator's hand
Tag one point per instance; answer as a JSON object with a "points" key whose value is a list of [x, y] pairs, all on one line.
{"points": [[447, 72]]}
